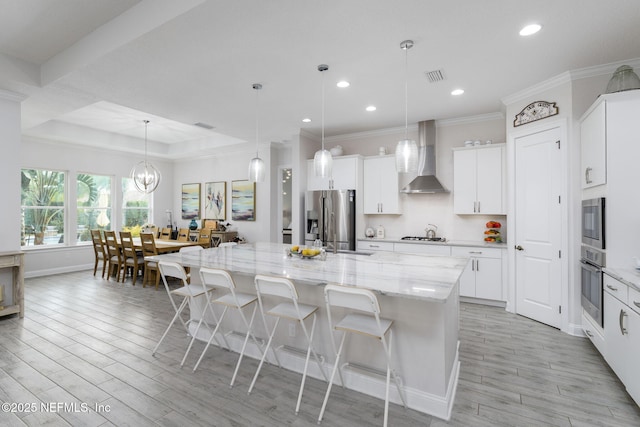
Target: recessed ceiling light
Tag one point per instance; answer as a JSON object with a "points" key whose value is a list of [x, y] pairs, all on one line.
{"points": [[371, 108], [530, 29], [306, 120], [457, 92], [343, 84]]}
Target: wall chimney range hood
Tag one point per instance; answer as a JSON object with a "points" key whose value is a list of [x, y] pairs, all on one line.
{"points": [[426, 181]]}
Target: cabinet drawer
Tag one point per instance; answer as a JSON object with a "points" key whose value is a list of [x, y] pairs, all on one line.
{"points": [[615, 288], [594, 333], [476, 252], [375, 246], [634, 300], [421, 248]]}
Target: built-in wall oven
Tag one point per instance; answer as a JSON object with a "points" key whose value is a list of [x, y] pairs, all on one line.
{"points": [[593, 257]]}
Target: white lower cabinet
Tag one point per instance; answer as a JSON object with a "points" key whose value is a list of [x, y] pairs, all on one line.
{"points": [[483, 276], [593, 332], [423, 249], [622, 334], [372, 245]]}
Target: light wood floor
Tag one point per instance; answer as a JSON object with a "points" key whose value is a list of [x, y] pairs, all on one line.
{"points": [[87, 340]]}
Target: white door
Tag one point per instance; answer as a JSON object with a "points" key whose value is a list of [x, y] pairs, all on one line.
{"points": [[538, 178]]}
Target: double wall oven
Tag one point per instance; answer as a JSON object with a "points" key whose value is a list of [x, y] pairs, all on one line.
{"points": [[593, 257]]}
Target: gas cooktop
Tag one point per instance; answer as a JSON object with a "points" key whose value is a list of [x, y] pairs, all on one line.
{"points": [[425, 239]]}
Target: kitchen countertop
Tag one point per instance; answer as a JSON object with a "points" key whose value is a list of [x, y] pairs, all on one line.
{"points": [[628, 275], [422, 277], [474, 243]]}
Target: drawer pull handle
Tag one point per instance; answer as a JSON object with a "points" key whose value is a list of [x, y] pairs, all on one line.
{"points": [[475, 252], [613, 288], [374, 246], [623, 330], [589, 334], [637, 304]]}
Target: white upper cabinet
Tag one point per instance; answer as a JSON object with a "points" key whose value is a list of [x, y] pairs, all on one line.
{"points": [[593, 141], [344, 175], [381, 185], [478, 180]]}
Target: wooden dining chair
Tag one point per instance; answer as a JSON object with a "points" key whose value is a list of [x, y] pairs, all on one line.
{"points": [[183, 235], [165, 233], [116, 262], [149, 249], [132, 261], [204, 238], [100, 251]]}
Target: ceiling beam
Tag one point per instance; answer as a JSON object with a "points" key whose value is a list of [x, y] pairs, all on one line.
{"points": [[135, 22]]}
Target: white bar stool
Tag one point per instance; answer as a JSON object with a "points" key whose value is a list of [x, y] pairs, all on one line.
{"points": [[217, 278], [370, 325], [289, 310], [186, 291]]}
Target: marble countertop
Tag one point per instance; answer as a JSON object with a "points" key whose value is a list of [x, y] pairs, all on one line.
{"points": [[424, 277], [628, 275], [473, 243]]}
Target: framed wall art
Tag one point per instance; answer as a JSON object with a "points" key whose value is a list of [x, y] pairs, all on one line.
{"points": [[190, 201], [215, 200], [243, 200]]}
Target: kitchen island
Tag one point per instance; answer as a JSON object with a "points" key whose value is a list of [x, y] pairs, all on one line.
{"points": [[420, 293]]}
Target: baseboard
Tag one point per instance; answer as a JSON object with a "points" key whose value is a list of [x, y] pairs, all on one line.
{"points": [[59, 270]]}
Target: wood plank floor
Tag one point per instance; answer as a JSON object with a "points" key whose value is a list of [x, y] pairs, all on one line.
{"points": [[88, 341]]}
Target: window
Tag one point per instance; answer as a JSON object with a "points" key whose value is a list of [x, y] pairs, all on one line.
{"points": [[94, 204], [136, 207], [42, 205]]}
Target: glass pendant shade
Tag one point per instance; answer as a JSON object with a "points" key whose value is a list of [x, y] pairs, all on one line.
{"points": [[145, 177], [322, 163], [256, 170], [406, 156], [623, 79]]}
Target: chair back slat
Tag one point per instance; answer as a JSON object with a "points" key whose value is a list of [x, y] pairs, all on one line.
{"points": [[351, 297], [165, 233], [113, 248], [217, 278], [172, 269], [183, 235], [148, 244], [276, 286]]}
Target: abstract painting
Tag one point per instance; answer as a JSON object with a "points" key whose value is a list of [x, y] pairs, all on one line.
{"points": [[243, 200], [215, 200], [190, 201]]}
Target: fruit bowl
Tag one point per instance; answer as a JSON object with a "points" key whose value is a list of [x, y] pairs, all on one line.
{"points": [[305, 252]]}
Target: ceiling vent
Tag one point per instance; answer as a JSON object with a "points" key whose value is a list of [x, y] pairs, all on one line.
{"points": [[434, 76], [203, 125]]}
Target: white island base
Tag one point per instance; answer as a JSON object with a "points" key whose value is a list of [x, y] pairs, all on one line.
{"points": [[425, 337]]}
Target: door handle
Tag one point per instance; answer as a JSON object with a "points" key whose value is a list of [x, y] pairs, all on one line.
{"points": [[623, 330], [519, 248], [587, 175]]}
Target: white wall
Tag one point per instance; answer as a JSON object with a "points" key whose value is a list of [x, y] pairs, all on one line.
{"points": [[422, 209], [43, 154], [10, 170], [229, 166]]}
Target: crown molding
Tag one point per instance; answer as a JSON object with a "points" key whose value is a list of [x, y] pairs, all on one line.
{"points": [[12, 96], [470, 119], [568, 77]]}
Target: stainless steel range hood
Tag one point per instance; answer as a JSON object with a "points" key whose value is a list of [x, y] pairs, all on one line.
{"points": [[426, 181]]}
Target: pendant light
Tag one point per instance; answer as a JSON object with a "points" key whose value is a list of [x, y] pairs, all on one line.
{"points": [[256, 166], [145, 176], [322, 161], [406, 150]]}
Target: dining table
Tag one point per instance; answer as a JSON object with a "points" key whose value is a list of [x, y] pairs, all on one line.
{"points": [[163, 246]]}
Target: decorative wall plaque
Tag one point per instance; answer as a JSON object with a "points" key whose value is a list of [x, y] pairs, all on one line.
{"points": [[535, 111]]}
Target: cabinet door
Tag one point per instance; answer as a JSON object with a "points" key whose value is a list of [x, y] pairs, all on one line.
{"points": [[632, 382], [615, 322], [489, 181], [468, 280], [489, 278], [380, 186], [464, 181], [344, 173], [593, 147]]}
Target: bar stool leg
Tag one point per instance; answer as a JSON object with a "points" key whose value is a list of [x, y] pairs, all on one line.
{"points": [[264, 355], [246, 339], [213, 334], [178, 311], [333, 374]]}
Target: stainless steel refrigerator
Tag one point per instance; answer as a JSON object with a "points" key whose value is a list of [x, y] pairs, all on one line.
{"points": [[331, 217]]}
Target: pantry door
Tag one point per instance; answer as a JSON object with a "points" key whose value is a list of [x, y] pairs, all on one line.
{"points": [[538, 225]]}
